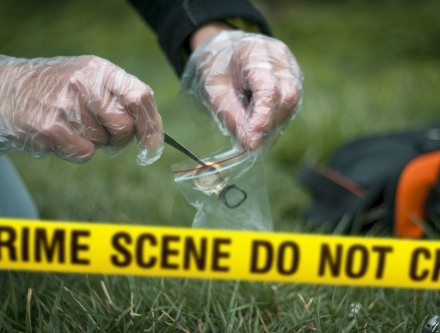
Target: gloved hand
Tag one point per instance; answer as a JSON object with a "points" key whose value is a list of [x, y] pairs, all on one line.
{"points": [[250, 83], [72, 105]]}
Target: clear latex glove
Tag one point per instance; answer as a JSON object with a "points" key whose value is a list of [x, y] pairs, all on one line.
{"points": [[72, 105], [250, 83]]}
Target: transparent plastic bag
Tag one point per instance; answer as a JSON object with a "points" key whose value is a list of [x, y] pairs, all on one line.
{"points": [[230, 193]]}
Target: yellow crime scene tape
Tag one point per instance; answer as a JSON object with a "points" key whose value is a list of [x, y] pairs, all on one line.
{"points": [[200, 253]]}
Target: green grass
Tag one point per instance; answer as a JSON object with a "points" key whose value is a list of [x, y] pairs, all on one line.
{"points": [[369, 68], [81, 303]]}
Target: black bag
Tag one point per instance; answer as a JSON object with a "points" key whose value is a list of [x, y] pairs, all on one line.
{"points": [[391, 178]]}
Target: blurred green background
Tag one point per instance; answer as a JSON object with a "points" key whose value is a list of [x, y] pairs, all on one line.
{"points": [[369, 66]]}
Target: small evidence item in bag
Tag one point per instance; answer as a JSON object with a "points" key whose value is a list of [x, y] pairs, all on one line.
{"points": [[228, 191], [209, 177]]}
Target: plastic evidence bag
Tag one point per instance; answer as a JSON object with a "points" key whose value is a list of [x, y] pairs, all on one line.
{"points": [[228, 193]]}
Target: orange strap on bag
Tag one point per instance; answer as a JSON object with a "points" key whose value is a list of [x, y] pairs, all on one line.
{"points": [[415, 183]]}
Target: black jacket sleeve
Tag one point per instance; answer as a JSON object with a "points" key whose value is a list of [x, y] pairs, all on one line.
{"points": [[175, 20]]}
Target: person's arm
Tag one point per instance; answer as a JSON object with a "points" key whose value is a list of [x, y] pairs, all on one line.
{"points": [[205, 31], [174, 21], [250, 82]]}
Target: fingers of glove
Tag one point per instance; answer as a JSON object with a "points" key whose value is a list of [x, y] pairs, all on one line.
{"points": [[104, 119], [81, 107], [262, 83], [119, 124], [277, 89], [148, 121], [91, 129], [65, 142], [138, 100], [289, 100], [105, 79], [289, 80], [227, 105], [148, 126]]}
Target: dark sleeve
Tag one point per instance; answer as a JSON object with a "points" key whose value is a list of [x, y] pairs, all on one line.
{"points": [[175, 20]]}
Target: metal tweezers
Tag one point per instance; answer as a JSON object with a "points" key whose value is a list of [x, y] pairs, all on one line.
{"points": [[168, 139]]}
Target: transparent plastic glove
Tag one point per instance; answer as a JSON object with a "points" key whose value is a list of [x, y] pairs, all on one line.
{"points": [[72, 105], [250, 83]]}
